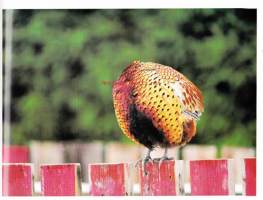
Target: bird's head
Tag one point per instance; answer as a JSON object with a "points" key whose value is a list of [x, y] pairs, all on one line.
{"points": [[121, 86]]}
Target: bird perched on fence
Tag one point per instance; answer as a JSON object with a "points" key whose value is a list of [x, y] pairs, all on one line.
{"points": [[155, 105]]}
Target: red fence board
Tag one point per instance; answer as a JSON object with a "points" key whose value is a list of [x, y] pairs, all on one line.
{"points": [[60, 180], [108, 179], [250, 176], [15, 154], [207, 177], [17, 180], [157, 178], [210, 177]]}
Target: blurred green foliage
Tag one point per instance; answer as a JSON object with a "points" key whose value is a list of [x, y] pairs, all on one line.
{"points": [[62, 57]]}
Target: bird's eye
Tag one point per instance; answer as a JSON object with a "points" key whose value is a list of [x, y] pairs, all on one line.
{"points": [[134, 94]]}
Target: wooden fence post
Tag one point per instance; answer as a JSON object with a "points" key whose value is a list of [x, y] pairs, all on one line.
{"points": [[238, 154], [17, 179], [196, 152], [108, 179], [157, 178], [60, 179], [211, 177], [249, 177], [43, 152], [15, 154]]}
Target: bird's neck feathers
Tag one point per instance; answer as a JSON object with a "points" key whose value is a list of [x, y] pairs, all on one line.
{"points": [[122, 89]]}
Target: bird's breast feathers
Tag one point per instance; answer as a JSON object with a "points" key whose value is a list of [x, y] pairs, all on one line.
{"points": [[163, 95]]}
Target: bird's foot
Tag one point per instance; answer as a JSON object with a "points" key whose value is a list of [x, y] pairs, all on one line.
{"points": [[162, 159], [147, 159], [144, 161]]}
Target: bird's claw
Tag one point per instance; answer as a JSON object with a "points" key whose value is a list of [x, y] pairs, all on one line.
{"points": [[147, 159], [162, 159], [144, 161]]}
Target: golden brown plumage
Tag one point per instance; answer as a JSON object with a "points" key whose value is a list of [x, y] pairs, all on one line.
{"points": [[156, 105]]}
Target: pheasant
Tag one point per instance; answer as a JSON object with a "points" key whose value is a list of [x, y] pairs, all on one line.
{"points": [[155, 105]]}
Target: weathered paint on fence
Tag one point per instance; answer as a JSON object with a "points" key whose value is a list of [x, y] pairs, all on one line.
{"points": [[45, 152], [17, 179], [15, 154], [237, 154], [250, 176], [208, 177], [60, 179], [157, 178], [211, 177], [108, 179]]}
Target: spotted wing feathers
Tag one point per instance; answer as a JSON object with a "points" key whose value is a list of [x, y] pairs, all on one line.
{"points": [[189, 95]]}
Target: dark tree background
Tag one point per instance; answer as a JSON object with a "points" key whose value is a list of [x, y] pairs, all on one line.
{"points": [[62, 57]]}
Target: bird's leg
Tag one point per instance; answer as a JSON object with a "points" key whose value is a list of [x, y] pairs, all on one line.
{"points": [[165, 154], [164, 157], [146, 159], [148, 156]]}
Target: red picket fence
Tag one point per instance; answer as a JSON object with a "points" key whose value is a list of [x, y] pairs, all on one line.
{"points": [[60, 180], [157, 178], [250, 176], [211, 177], [15, 154], [17, 179], [207, 177], [108, 179]]}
